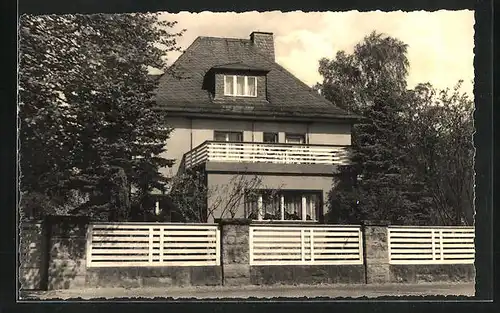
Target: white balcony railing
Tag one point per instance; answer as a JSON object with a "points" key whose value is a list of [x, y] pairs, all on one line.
{"points": [[253, 152]]}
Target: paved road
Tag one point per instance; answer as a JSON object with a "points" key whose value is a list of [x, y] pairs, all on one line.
{"points": [[263, 292]]}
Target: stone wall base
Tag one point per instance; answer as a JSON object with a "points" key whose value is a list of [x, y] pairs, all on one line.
{"points": [[307, 274], [377, 273], [136, 277], [424, 273], [237, 274]]}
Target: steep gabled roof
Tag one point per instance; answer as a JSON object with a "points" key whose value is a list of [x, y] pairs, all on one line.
{"points": [[181, 88]]}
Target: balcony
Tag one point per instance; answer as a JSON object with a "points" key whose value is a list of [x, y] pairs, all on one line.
{"points": [[257, 152]]}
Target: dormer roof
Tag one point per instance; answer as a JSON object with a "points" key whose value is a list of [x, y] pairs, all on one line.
{"points": [[240, 66]]}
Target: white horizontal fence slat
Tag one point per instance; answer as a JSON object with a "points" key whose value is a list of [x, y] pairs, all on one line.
{"points": [[431, 245], [303, 245], [152, 244], [136, 226]]}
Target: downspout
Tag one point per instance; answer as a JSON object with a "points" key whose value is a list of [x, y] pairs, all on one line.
{"points": [[191, 134], [205, 181], [308, 141], [253, 131]]}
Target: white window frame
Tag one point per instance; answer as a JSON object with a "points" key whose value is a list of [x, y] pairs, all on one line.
{"points": [[227, 134], [314, 217], [235, 89]]}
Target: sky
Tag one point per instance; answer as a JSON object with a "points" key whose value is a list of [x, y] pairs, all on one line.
{"points": [[440, 43]]}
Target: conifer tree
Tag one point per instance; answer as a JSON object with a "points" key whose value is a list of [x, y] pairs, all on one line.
{"points": [[87, 109]]}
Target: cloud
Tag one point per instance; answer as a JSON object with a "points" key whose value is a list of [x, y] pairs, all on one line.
{"points": [[440, 43]]}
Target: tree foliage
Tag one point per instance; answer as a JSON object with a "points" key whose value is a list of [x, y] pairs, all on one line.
{"points": [[188, 195], [86, 107], [353, 81], [397, 160], [440, 128]]}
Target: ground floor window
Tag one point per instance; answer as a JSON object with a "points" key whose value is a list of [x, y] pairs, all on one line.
{"points": [[283, 205]]}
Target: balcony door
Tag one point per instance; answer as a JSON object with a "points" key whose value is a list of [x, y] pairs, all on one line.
{"points": [[231, 149], [295, 154], [270, 137], [268, 151]]}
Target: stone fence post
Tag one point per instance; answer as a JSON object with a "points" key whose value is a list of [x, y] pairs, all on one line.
{"points": [[376, 253], [235, 261], [33, 255], [67, 237]]}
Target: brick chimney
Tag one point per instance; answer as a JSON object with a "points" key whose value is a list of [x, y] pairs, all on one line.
{"points": [[264, 42]]}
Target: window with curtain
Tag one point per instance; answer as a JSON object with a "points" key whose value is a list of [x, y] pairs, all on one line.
{"points": [[238, 85], [228, 85], [252, 86], [286, 205], [293, 206]]}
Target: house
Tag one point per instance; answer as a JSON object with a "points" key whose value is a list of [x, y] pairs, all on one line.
{"points": [[236, 112]]}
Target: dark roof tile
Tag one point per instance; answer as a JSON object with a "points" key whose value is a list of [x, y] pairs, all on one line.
{"points": [[181, 86]]}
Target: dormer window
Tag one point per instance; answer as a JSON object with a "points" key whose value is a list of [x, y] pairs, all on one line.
{"points": [[238, 85]]}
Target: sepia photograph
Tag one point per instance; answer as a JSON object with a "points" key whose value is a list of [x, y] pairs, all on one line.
{"points": [[204, 155]]}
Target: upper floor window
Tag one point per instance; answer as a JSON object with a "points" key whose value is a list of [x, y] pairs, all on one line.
{"points": [[295, 138], [270, 137], [236, 85], [228, 136]]}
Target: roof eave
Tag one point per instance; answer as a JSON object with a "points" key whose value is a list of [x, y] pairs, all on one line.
{"points": [[272, 115]]}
